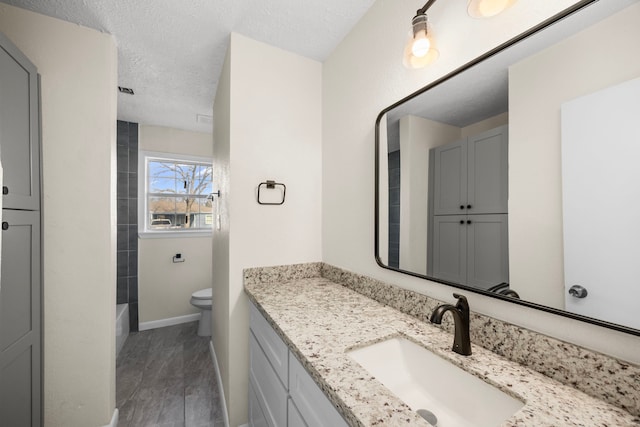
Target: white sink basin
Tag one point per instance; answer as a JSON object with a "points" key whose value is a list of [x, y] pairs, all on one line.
{"points": [[426, 381]]}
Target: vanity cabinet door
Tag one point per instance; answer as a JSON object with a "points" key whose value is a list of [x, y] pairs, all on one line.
{"points": [[450, 248]]}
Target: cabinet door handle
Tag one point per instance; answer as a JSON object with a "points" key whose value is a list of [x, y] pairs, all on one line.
{"points": [[468, 221], [461, 206], [5, 189], [468, 206], [461, 221], [5, 225]]}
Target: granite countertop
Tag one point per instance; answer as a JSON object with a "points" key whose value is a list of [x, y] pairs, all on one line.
{"points": [[320, 320]]}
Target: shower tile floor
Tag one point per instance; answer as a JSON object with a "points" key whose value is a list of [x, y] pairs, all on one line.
{"points": [[165, 378]]}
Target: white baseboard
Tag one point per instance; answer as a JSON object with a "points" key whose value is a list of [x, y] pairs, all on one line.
{"points": [[114, 419], [219, 383], [168, 322]]}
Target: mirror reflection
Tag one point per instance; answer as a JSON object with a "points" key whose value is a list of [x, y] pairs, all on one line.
{"points": [[517, 176]]}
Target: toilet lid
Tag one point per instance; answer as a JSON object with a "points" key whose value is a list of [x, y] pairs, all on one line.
{"points": [[202, 294]]}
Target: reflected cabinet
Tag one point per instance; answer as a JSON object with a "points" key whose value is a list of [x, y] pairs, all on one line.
{"points": [[468, 210]]}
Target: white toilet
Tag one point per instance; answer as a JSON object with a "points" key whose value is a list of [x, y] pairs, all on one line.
{"points": [[202, 300]]}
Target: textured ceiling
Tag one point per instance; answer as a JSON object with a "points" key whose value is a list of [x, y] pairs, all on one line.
{"points": [[171, 52]]}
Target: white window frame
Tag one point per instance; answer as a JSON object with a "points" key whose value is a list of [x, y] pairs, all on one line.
{"points": [[143, 231]]}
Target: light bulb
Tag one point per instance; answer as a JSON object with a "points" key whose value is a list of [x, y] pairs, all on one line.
{"points": [[421, 44]]}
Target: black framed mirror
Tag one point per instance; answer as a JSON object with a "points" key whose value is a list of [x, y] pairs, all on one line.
{"points": [[515, 176]]}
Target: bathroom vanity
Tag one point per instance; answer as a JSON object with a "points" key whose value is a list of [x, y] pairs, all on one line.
{"points": [[304, 326], [281, 392]]}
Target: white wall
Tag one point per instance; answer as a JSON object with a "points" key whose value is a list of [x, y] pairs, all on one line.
{"points": [[79, 79], [165, 287], [535, 205], [358, 82], [273, 132]]}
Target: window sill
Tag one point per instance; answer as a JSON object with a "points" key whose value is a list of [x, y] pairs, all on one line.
{"points": [[174, 234]]}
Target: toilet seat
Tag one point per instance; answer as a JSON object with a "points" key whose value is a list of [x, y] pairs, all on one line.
{"points": [[202, 294]]}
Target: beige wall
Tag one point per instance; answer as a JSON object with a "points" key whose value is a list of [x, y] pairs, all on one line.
{"points": [[165, 287], [273, 132], [353, 96], [485, 125], [535, 190], [79, 79], [417, 137], [220, 315]]}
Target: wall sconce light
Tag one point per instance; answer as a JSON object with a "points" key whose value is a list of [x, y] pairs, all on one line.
{"points": [[420, 49]]}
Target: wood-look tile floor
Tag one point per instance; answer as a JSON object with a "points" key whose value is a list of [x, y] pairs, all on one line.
{"points": [[165, 378]]}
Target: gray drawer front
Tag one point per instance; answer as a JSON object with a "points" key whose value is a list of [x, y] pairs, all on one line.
{"points": [[269, 391], [256, 416], [294, 417], [274, 348], [311, 402]]}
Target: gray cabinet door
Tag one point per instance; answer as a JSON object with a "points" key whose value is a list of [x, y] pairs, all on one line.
{"points": [[487, 250], [19, 128], [20, 327], [487, 191], [450, 248], [450, 178]]}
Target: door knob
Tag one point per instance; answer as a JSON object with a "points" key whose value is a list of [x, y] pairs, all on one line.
{"points": [[5, 189], [5, 225], [578, 291]]}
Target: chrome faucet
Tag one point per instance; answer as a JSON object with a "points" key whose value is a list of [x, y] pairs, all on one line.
{"points": [[460, 312]]}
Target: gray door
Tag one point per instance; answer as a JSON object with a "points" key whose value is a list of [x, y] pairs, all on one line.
{"points": [[20, 287], [487, 250], [450, 248], [20, 344], [19, 125], [488, 174], [450, 178]]}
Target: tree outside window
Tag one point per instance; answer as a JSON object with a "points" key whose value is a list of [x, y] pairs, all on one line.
{"points": [[178, 195]]}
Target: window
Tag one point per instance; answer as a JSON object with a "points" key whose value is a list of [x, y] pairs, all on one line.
{"points": [[176, 194]]}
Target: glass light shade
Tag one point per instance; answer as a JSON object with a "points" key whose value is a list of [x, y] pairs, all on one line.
{"points": [[411, 61], [488, 8], [421, 44]]}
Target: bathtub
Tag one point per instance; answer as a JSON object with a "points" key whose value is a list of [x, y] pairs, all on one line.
{"points": [[122, 326]]}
